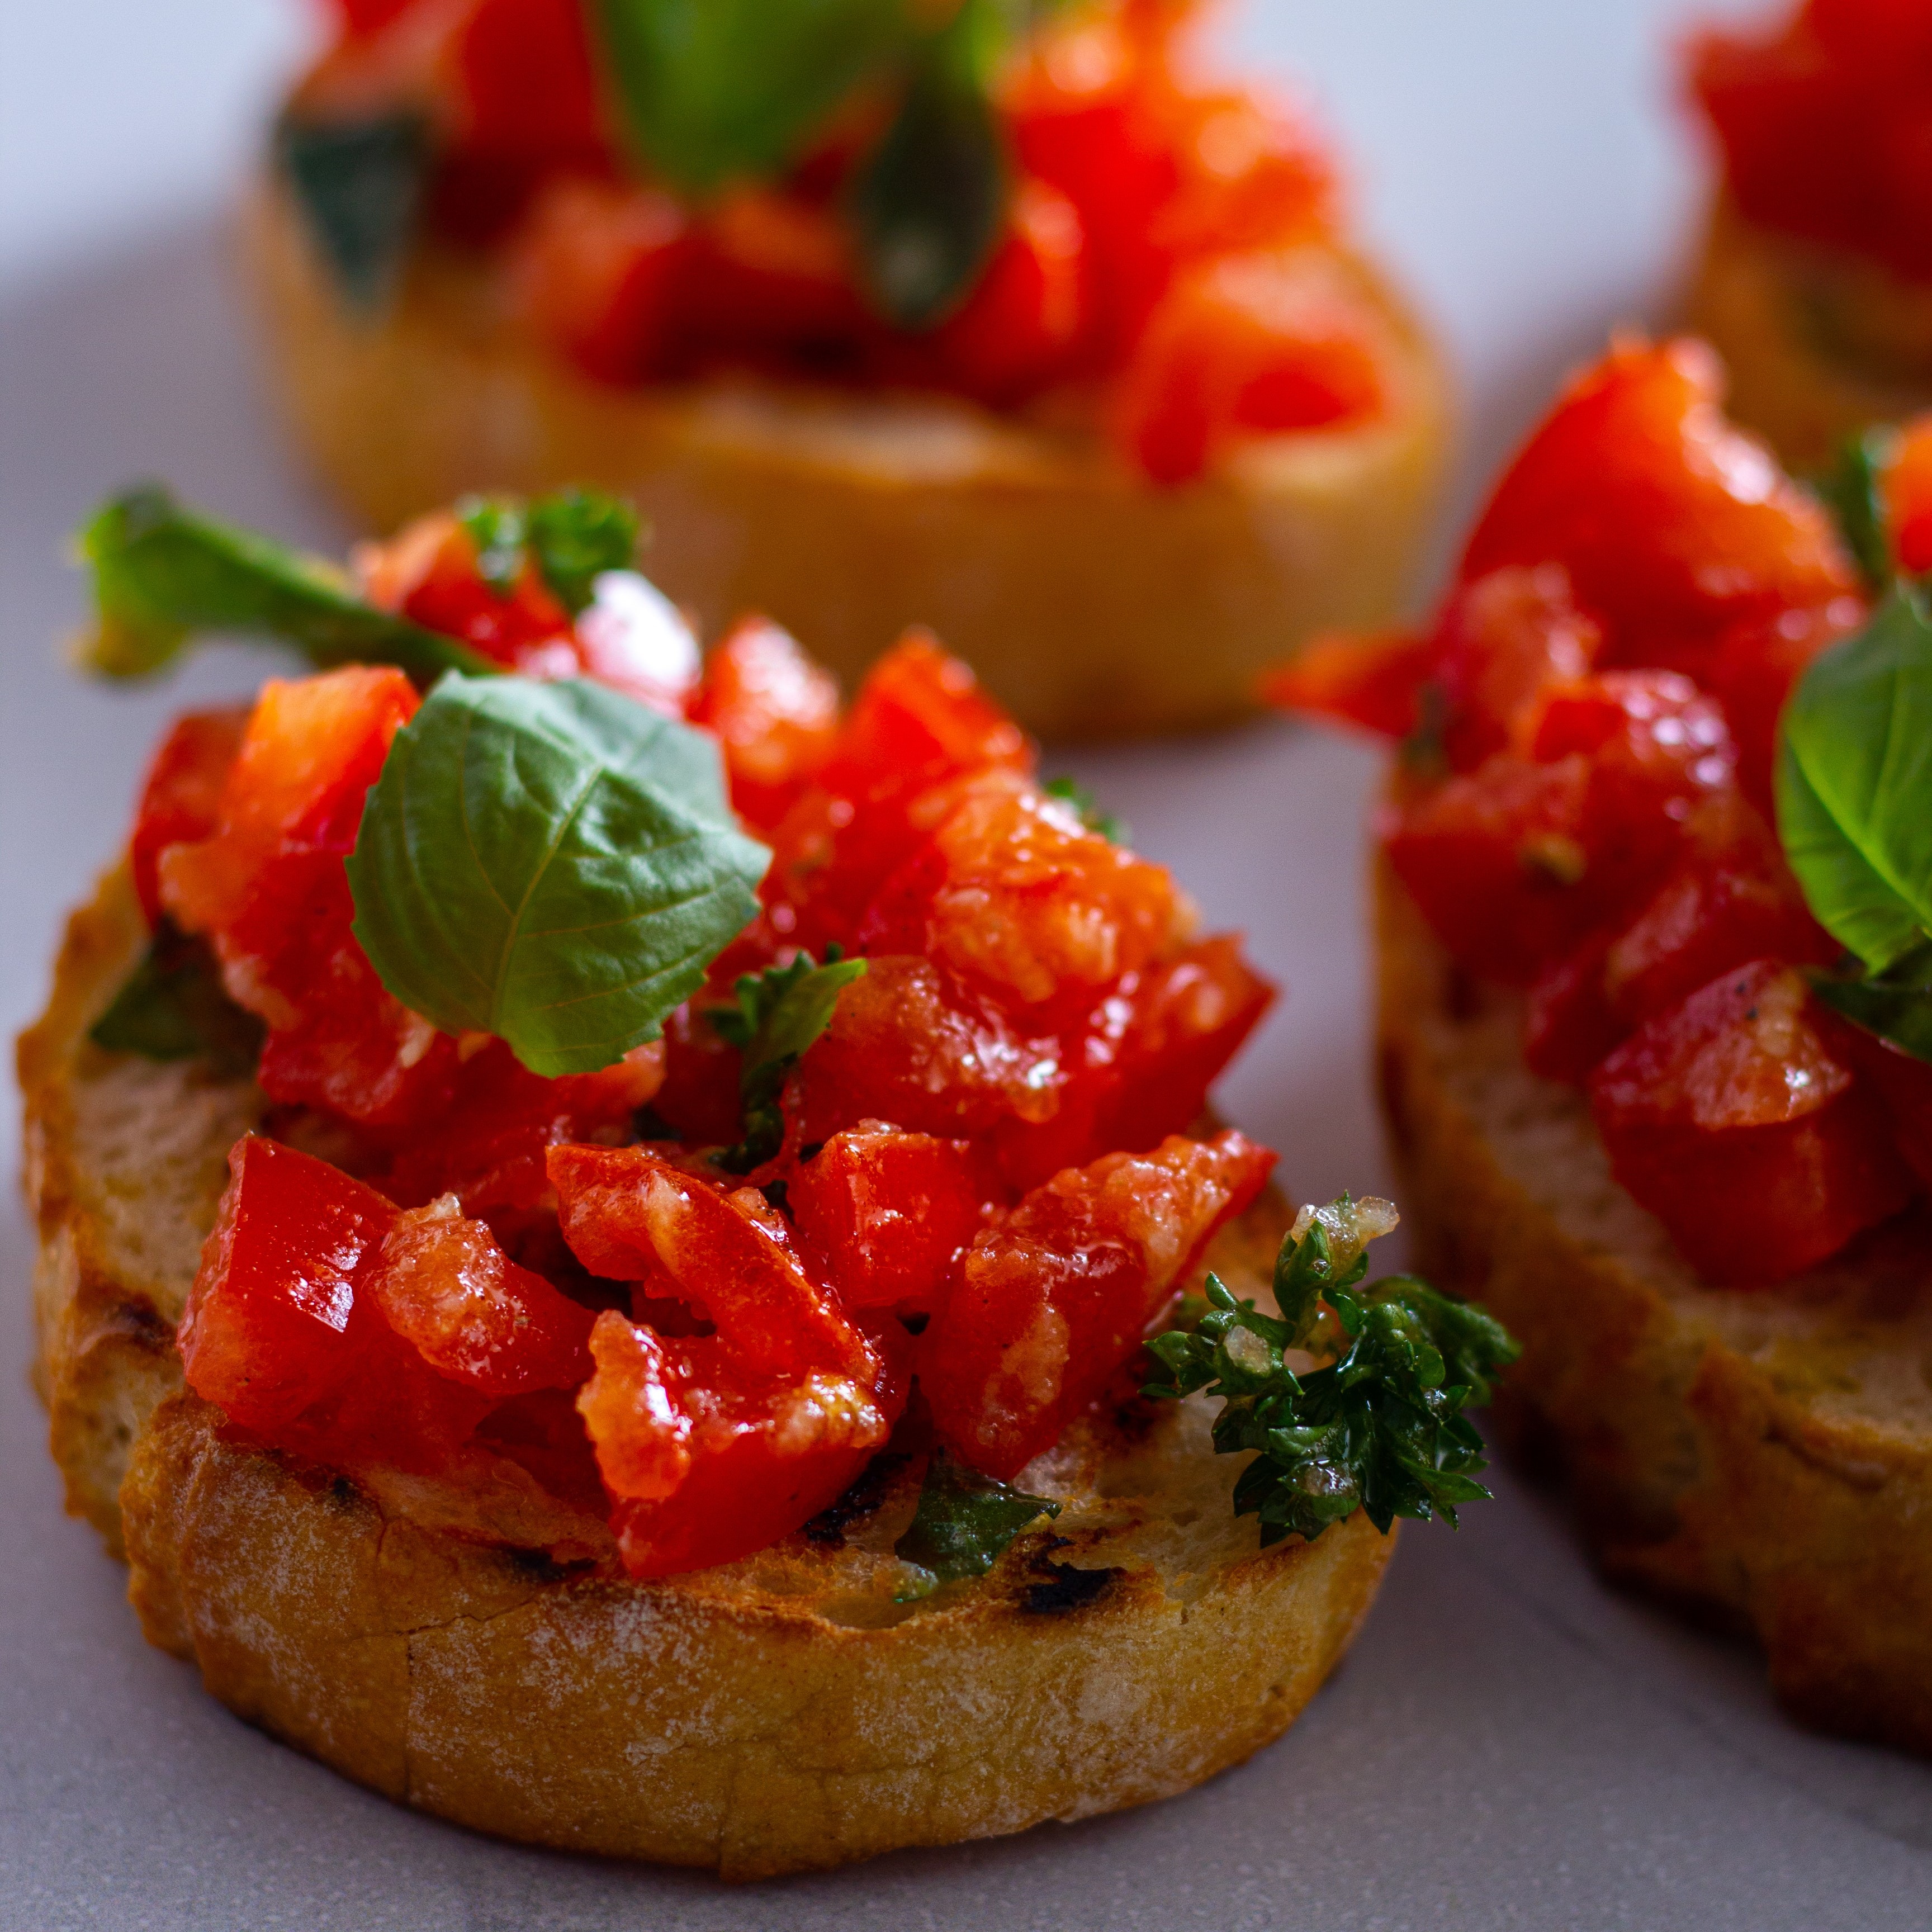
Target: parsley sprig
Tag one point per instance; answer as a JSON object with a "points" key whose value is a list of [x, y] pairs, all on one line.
{"points": [[1382, 1427]]}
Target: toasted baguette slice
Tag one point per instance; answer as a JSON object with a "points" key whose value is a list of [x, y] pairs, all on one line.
{"points": [[1819, 345], [481, 1655], [1765, 1455], [1091, 603]]}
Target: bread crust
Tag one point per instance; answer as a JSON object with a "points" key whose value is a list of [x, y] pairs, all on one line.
{"points": [[1764, 1457], [479, 1658], [1819, 345], [1091, 603]]}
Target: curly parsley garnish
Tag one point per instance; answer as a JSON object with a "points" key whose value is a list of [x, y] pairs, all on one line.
{"points": [[1381, 1428]]}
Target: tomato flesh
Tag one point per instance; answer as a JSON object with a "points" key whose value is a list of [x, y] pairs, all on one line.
{"points": [[180, 796], [1730, 1118], [1054, 1297], [775, 712]]}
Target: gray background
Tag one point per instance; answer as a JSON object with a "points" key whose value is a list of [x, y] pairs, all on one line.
{"points": [[1510, 1744]]}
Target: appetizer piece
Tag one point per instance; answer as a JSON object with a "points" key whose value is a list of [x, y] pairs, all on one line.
{"points": [[1656, 941], [1815, 280], [883, 313], [601, 1223]]}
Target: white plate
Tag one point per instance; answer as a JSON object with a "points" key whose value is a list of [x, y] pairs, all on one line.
{"points": [[1510, 1744]]}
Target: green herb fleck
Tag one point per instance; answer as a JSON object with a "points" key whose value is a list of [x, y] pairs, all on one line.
{"points": [[1381, 1428], [573, 537], [174, 1007], [1112, 828], [964, 1521], [359, 183], [779, 1013]]}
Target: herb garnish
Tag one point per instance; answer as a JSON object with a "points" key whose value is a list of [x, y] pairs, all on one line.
{"points": [[174, 1007], [573, 538], [1381, 1428], [779, 1013], [551, 863], [162, 574], [1110, 827], [1854, 494], [1855, 813], [359, 181], [965, 1522]]}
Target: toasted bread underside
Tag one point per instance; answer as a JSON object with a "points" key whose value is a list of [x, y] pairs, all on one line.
{"points": [[1091, 603], [1818, 346], [484, 1658], [1764, 1456]]}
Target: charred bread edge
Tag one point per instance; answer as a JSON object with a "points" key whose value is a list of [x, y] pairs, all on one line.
{"points": [[753, 1720], [1092, 605], [1763, 1458]]}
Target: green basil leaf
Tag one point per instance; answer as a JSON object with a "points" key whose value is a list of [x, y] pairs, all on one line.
{"points": [[162, 574], [551, 863], [1853, 492], [573, 538], [928, 205], [359, 183], [713, 91], [1897, 1007], [174, 1007], [1854, 785], [779, 1013], [964, 1521]]}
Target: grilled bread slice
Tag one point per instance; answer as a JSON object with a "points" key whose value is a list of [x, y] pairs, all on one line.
{"points": [[1092, 604], [481, 1654], [1819, 345], [1765, 1456]]}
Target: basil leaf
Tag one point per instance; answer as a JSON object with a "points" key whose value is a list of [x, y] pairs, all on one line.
{"points": [[1897, 1007], [573, 538], [161, 574], [1854, 785], [713, 91], [359, 184], [1854, 493], [964, 1521], [174, 1007], [780, 1012], [551, 863], [928, 205]]}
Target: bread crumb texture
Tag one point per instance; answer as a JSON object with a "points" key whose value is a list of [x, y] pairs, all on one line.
{"points": [[1764, 1456], [481, 1655]]}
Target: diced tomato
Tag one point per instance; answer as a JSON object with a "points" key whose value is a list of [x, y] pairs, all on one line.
{"points": [[885, 1214], [526, 82], [907, 1043], [1568, 1023], [1372, 680], [919, 719], [1673, 525], [1053, 1298], [180, 796], [715, 1445], [775, 712], [1011, 892], [1907, 490], [1902, 1082], [1495, 859], [1017, 329], [428, 572], [1729, 1118], [1251, 176], [594, 267], [444, 1285], [1260, 344], [1503, 641]]}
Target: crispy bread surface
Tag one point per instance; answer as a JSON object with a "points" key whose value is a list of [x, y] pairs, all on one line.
{"points": [[1764, 1456], [1819, 345], [483, 1656], [1091, 603]]}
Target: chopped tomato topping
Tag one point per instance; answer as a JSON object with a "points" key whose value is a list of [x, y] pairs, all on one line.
{"points": [[1372, 681], [775, 712], [1673, 525], [1907, 489], [716, 1444], [180, 796], [1730, 1118], [1054, 1297]]}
